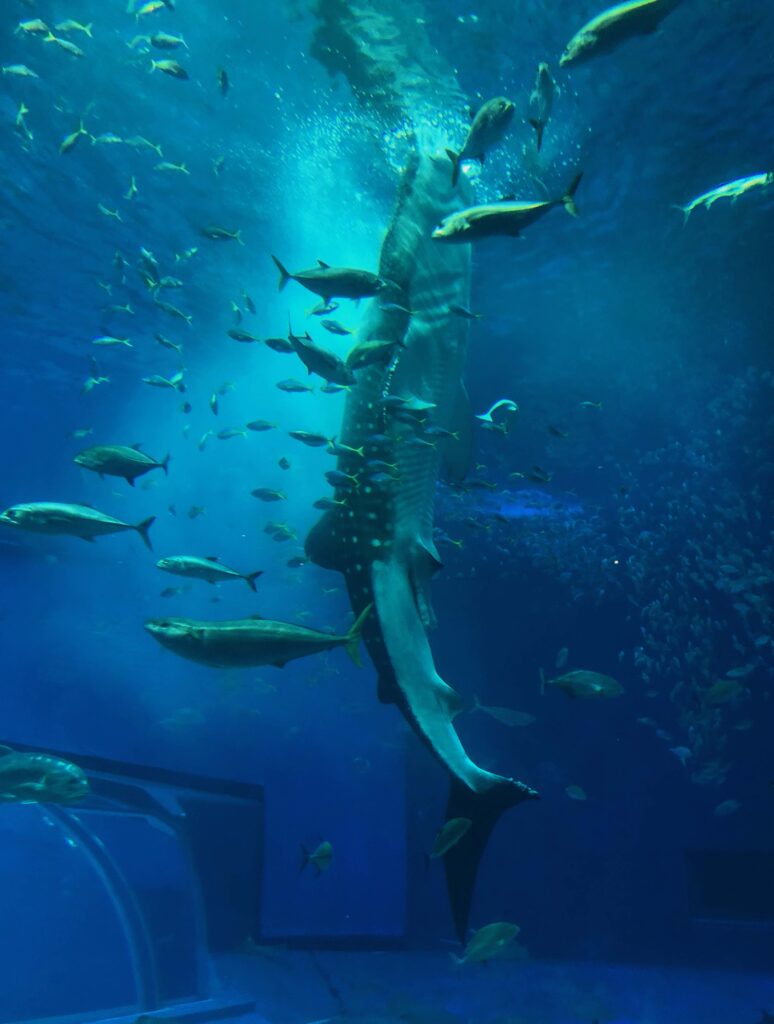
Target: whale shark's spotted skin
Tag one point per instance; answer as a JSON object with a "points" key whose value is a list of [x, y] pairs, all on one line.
{"points": [[382, 541]]}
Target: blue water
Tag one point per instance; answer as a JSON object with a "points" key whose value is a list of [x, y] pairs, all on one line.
{"points": [[626, 515]]}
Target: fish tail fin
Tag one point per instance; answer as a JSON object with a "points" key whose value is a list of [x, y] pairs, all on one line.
{"points": [[455, 159], [539, 127], [568, 199], [250, 579], [685, 210], [153, 66], [352, 646], [87, 29], [165, 464], [476, 702], [304, 858], [542, 683], [462, 860], [143, 528], [284, 275], [238, 237]]}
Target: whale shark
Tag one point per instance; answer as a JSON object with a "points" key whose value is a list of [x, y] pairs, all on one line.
{"points": [[379, 535]]}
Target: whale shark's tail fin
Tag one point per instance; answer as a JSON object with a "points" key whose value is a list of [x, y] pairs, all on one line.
{"points": [[462, 860]]}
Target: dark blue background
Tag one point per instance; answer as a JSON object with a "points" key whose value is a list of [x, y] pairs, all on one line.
{"points": [[659, 322]]}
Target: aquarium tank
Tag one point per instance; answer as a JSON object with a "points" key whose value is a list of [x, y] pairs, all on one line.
{"points": [[387, 511]]}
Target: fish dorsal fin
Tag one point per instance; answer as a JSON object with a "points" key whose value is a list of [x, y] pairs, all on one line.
{"points": [[510, 198], [256, 616], [323, 264], [471, 113], [5, 751], [457, 452], [137, 446], [211, 558]]}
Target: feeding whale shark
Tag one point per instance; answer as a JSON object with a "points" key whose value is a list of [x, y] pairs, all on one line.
{"points": [[381, 535]]}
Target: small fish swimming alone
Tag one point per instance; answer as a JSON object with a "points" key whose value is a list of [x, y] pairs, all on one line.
{"points": [[69, 141], [731, 190], [208, 568], [463, 312], [508, 716], [171, 68], [74, 26], [32, 27], [247, 643], [320, 858], [240, 335], [173, 311], [333, 282], [449, 835], [507, 217], [39, 779], [723, 809], [613, 26], [108, 341], [119, 460], [309, 439], [488, 128], [175, 383], [488, 942], [267, 494], [541, 101], [52, 517], [294, 387], [576, 793], [65, 44], [218, 234], [19, 71], [163, 41], [584, 684], [334, 327]]}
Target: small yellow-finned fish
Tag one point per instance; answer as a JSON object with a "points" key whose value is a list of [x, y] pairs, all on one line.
{"points": [[19, 71], [449, 835], [32, 27], [320, 858], [150, 8], [65, 44], [71, 140], [171, 68], [488, 942], [75, 26]]}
